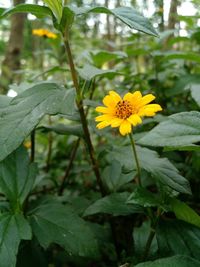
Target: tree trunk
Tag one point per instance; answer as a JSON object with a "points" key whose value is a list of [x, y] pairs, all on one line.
{"points": [[11, 62], [173, 17]]}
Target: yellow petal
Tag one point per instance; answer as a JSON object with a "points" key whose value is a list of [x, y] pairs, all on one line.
{"points": [[149, 110], [102, 124], [147, 99], [104, 118], [105, 110], [134, 119], [125, 127], [137, 95], [116, 97], [128, 97], [116, 122], [112, 99], [109, 101]]}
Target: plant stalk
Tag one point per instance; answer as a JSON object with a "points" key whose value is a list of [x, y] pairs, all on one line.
{"points": [[136, 159], [79, 102], [32, 157]]}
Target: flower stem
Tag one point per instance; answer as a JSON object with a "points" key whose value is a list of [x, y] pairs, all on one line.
{"points": [[136, 159], [79, 102]]}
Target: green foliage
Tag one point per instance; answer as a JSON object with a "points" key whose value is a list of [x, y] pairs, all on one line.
{"points": [[17, 176], [13, 228], [176, 237], [74, 195], [160, 168], [114, 204], [56, 7], [184, 212], [182, 129], [27, 109], [175, 261], [54, 223]]}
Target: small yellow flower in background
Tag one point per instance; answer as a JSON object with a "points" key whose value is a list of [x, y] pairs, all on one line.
{"points": [[44, 33], [27, 144], [125, 112]]}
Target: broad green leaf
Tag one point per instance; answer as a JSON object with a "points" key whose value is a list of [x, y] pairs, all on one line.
{"points": [[183, 83], [17, 176], [127, 15], [4, 101], [54, 223], [99, 57], [180, 55], [89, 72], [13, 228], [64, 129], [27, 109], [177, 237], [160, 168], [195, 91], [113, 177], [171, 55], [181, 129], [175, 261], [56, 7], [114, 204], [182, 148], [37, 10], [184, 212], [140, 236], [143, 197], [66, 20]]}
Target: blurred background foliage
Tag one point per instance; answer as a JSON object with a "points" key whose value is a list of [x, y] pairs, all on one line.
{"points": [[167, 66]]}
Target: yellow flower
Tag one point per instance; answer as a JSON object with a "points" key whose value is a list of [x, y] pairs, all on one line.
{"points": [[44, 33], [27, 144], [125, 112]]}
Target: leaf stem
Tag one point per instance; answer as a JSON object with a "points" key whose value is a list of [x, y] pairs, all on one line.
{"points": [[79, 102], [136, 159]]}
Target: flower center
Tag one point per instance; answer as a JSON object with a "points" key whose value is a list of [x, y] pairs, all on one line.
{"points": [[124, 109]]}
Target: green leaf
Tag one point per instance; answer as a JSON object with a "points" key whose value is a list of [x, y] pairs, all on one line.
{"points": [[181, 129], [195, 91], [160, 168], [56, 7], [184, 212], [180, 55], [27, 109], [177, 237], [140, 236], [66, 20], [175, 261], [64, 129], [13, 228], [183, 83], [37, 10], [54, 223], [99, 57], [17, 176], [143, 197], [114, 178], [127, 15], [114, 204], [89, 72], [4, 101]]}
